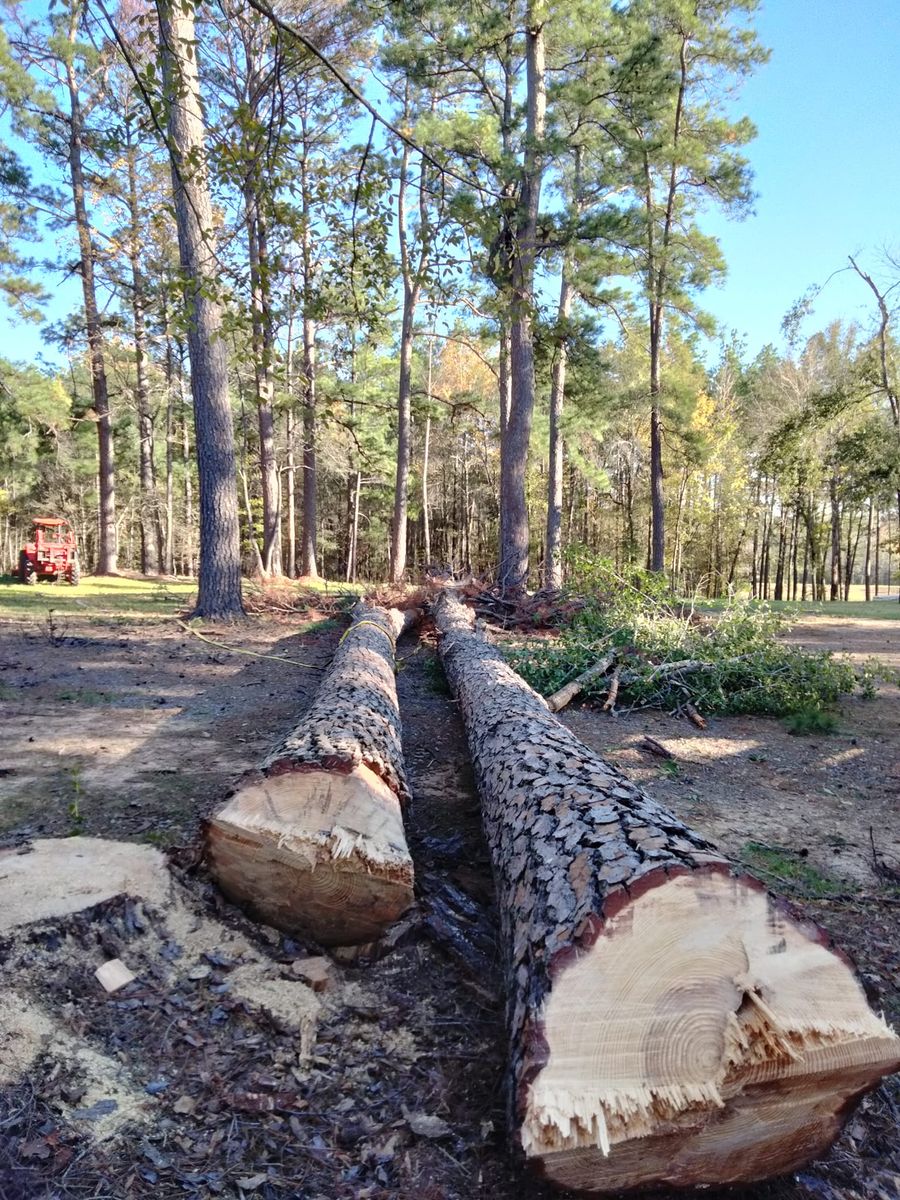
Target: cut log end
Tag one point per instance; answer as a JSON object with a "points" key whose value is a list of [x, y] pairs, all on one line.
{"points": [[703, 1037], [315, 852]]}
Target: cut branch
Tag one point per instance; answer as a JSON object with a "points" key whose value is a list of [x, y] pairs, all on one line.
{"points": [[569, 691], [670, 1023], [313, 841]]}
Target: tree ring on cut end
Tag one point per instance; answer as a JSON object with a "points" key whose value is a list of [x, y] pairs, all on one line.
{"points": [[704, 1036]]}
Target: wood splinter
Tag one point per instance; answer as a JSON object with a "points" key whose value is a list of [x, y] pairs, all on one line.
{"points": [[313, 842], [670, 1023]]}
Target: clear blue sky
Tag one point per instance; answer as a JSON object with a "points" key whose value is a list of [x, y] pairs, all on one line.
{"points": [[827, 166]]}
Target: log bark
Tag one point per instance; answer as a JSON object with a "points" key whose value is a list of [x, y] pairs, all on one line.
{"points": [[669, 1022], [313, 841]]}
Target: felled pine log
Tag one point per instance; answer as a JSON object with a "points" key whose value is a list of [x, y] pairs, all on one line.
{"points": [[670, 1023], [312, 842]]}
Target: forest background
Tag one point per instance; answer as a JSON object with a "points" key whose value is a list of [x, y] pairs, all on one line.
{"points": [[456, 260]]}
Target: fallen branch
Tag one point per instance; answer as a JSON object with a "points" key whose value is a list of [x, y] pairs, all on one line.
{"points": [[652, 746], [694, 717], [569, 691], [609, 704]]}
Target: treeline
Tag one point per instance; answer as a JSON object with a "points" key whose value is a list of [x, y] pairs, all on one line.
{"points": [[374, 290]]}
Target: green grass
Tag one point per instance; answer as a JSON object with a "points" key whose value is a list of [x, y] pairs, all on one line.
{"points": [[96, 596], [122, 597], [807, 722], [884, 610], [779, 866]]}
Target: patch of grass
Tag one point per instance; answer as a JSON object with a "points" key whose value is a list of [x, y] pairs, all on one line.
{"points": [[86, 697], [435, 677], [781, 866], [125, 597], [76, 816], [884, 610], [808, 721], [96, 597]]}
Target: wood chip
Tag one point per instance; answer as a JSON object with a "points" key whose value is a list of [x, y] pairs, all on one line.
{"points": [[114, 975], [317, 972]]}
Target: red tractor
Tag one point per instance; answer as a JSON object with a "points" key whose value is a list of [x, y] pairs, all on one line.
{"points": [[51, 555]]}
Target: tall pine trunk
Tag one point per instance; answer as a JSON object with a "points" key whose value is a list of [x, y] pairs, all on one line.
{"points": [[152, 533], [412, 275], [264, 375], [219, 592], [513, 568], [309, 529], [553, 549], [107, 538], [835, 539]]}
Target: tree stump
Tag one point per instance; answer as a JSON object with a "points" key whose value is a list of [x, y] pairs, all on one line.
{"points": [[313, 841], [670, 1023]]}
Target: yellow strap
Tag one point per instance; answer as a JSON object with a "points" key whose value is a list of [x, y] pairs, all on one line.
{"points": [[375, 625], [250, 653]]}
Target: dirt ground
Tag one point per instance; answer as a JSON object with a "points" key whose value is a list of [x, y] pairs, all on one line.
{"points": [[135, 731]]}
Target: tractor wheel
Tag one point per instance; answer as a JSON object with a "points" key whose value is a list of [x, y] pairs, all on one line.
{"points": [[26, 570], [73, 575]]}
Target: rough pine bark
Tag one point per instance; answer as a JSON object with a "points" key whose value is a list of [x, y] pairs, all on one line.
{"points": [[553, 551], [313, 841], [669, 1023], [152, 533], [219, 590], [107, 541], [516, 436]]}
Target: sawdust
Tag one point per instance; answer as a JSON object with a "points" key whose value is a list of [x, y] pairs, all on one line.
{"points": [[27, 1032], [58, 879], [294, 1005]]}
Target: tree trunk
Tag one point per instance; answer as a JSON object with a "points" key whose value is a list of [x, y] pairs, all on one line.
{"points": [[553, 549], [513, 566], [353, 540], [152, 535], [169, 551], [877, 550], [309, 531], [867, 569], [835, 539], [657, 499], [782, 557], [852, 548], [669, 1022], [290, 461], [412, 285], [107, 548], [219, 591], [264, 376], [308, 564], [426, 516], [313, 841]]}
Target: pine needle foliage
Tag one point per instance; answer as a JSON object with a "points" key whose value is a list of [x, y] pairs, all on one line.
{"points": [[670, 656]]}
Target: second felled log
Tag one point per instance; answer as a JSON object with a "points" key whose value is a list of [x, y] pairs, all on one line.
{"points": [[670, 1023], [313, 841]]}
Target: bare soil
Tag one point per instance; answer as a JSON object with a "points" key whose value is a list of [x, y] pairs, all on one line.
{"points": [[135, 732]]}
